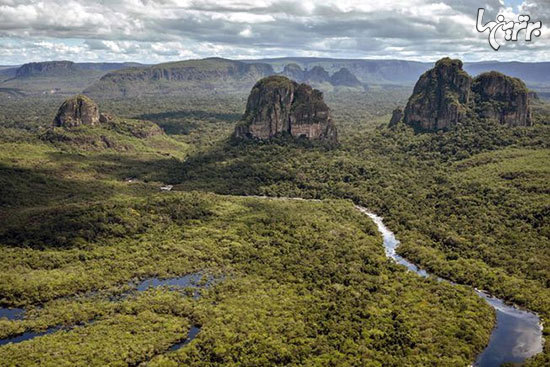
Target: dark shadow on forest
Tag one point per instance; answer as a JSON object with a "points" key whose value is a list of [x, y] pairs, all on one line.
{"points": [[240, 167], [183, 122], [196, 114], [23, 187]]}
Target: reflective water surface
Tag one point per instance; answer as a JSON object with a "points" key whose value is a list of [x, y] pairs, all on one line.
{"points": [[518, 333], [192, 280], [12, 313]]}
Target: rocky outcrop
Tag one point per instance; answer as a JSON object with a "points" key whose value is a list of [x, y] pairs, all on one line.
{"points": [[397, 116], [446, 95], [78, 110], [440, 97], [344, 77], [277, 106], [502, 98]]}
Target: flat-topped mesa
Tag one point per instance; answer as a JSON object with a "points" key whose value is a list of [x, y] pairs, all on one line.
{"points": [[277, 105], [440, 97], [47, 68], [79, 110], [446, 95], [502, 98]]}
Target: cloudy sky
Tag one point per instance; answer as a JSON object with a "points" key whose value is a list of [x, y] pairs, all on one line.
{"points": [[152, 31]]}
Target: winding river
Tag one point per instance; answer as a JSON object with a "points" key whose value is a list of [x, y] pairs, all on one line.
{"points": [[517, 334]]}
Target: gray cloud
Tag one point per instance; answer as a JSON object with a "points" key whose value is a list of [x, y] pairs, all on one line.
{"points": [[163, 30]]}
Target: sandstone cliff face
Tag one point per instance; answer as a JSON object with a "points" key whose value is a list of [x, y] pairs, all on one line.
{"points": [[447, 95], [277, 105], [502, 98], [440, 97], [78, 110]]}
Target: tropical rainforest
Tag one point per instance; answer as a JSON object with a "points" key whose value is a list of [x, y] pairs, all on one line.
{"points": [[293, 282]]}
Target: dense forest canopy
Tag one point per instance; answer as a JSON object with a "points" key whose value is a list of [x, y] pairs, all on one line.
{"points": [[303, 283]]}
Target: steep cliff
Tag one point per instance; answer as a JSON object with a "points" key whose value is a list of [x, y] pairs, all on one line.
{"points": [[502, 98], [446, 95], [277, 105], [78, 110], [440, 97]]}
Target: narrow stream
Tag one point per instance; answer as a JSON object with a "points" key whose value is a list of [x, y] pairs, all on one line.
{"points": [[516, 337], [192, 280], [517, 334]]}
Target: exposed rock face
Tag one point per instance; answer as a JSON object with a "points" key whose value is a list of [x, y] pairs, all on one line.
{"points": [[440, 97], [344, 77], [397, 116], [502, 98], [78, 110], [277, 105], [447, 95]]}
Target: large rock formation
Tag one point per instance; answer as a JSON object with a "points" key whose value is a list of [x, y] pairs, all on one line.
{"points": [[344, 77], [277, 105], [440, 97], [502, 98], [77, 110], [447, 95]]}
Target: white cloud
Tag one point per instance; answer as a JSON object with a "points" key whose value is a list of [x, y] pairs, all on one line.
{"points": [[162, 30]]}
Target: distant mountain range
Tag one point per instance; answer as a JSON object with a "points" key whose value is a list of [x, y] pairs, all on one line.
{"points": [[317, 76], [217, 75], [212, 75], [50, 77], [404, 72]]}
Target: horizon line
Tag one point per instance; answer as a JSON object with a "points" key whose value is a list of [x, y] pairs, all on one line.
{"points": [[270, 58]]}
